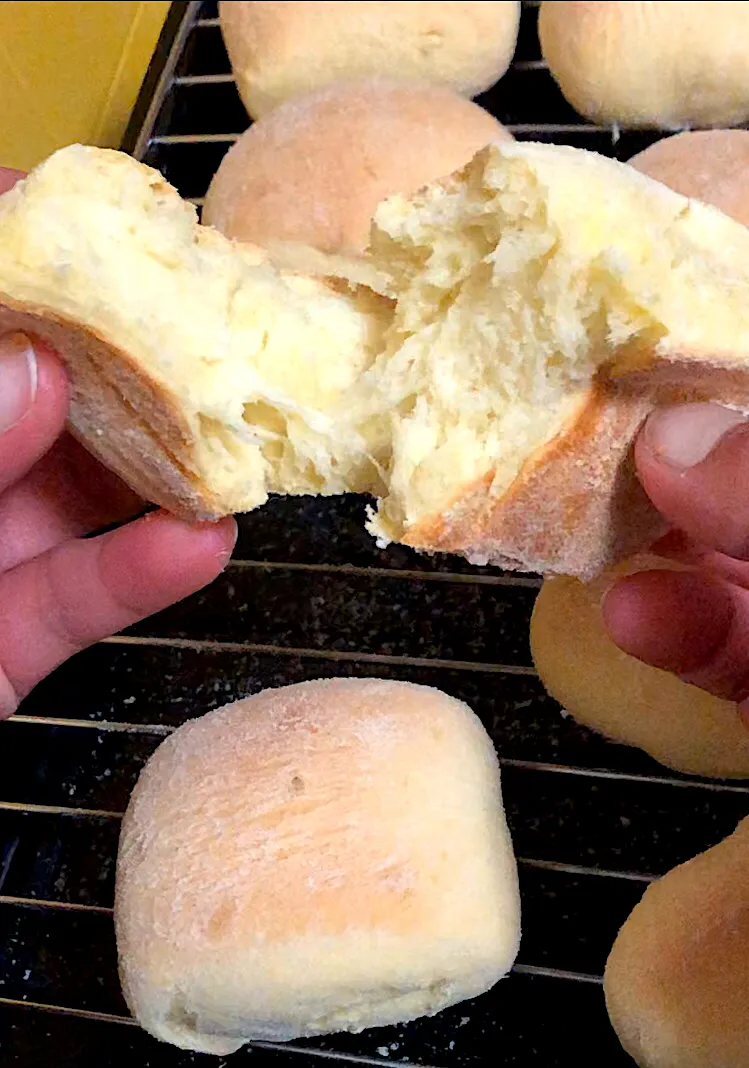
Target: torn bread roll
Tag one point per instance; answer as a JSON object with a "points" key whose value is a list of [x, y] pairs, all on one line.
{"points": [[534, 308], [711, 165], [281, 51], [662, 64], [314, 170], [677, 978], [323, 857], [628, 701]]}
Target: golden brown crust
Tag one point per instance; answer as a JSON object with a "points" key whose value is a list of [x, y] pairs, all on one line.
{"points": [[621, 697], [577, 506], [124, 417], [677, 978]]}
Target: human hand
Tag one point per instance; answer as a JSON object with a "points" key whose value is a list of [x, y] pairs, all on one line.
{"points": [[60, 592], [694, 464]]}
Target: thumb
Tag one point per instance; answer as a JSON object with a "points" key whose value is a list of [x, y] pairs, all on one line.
{"points": [[693, 461]]}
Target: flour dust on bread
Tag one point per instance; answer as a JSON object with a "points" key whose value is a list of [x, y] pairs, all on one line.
{"points": [[322, 857], [482, 374]]}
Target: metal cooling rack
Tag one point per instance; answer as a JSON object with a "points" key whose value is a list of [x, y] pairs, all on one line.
{"points": [[308, 594]]}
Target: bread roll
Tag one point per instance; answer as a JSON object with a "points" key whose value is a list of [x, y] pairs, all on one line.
{"points": [[315, 169], [711, 165], [537, 305], [650, 64], [324, 857], [280, 51], [628, 701], [677, 979]]}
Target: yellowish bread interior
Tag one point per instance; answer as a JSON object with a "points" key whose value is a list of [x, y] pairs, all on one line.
{"points": [[505, 290]]}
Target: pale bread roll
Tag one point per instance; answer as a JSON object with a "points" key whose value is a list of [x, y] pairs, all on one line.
{"points": [[536, 306], [283, 50], [663, 64], [677, 979], [711, 165], [314, 170], [628, 701], [323, 857]]}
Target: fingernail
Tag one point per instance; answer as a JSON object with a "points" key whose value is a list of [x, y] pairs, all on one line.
{"points": [[684, 435], [18, 379]]}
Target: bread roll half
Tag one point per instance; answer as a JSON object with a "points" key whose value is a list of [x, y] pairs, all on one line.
{"points": [[534, 308], [323, 857], [677, 979]]}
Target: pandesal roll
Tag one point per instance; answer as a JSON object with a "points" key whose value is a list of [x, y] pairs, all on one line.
{"points": [[314, 170], [677, 978], [628, 701], [663, 64], [322, 857], [282, 51]]}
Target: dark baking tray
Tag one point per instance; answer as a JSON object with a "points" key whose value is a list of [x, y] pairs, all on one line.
{"points": [[308, 594]]}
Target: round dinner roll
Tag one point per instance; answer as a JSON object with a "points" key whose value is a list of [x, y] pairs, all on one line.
{"points": [[650, 64], [280, 51], [314, 170], [677, 978], [628, 701], [709, 165], [323, 857]]}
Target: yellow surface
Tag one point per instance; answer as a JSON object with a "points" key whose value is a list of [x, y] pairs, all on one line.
{"points": [[70, 72]]}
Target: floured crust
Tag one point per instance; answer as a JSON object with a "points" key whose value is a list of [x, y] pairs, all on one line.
{"points": [[287, 868], [577, 505], [126, 419]]}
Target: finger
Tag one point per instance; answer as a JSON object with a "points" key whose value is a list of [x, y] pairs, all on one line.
{"points": [[8, 178], [33, 405], [59, 603], [691, 624], [65, 495], [693, 461]]}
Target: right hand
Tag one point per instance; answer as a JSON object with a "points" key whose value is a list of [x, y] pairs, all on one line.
{"points": [[693, 461]]}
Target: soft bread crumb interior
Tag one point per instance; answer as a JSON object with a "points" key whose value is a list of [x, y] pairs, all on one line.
{"points": [[515, 281], [508, 286], [257, 357]]}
